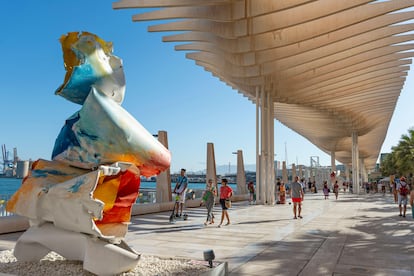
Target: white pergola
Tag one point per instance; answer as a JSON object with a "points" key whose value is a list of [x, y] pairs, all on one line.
{"points": [[331, 70]]}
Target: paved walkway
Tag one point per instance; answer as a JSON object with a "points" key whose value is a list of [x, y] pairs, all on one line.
{"points": [[354, 235]]}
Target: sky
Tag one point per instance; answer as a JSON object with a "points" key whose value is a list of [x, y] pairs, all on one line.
{"points": [[164, 90]]}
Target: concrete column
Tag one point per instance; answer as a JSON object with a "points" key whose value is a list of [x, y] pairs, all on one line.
{"points": [[163, 184], [355, 163], [347, 172], [258, 149], [284, 173], [364, 176], [211, 165], [333, 165], [263, 146], [272, 174], [300, 171], [241, 175], [293, 172]]}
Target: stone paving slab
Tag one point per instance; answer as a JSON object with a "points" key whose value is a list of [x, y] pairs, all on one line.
{"points": [[354, 235]]}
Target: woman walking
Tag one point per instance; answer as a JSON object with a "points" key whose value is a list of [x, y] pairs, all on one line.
{"points": [[225, 193], [325, 190], [336, 189], [208, 199]]}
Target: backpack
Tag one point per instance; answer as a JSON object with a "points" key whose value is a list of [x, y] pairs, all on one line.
{"points": [[403, 190]]}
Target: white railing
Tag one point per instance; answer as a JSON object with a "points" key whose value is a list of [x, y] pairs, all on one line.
{"points": [[3, 203]]}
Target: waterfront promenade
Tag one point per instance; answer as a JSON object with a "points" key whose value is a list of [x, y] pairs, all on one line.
{"points": [[354, 235]]}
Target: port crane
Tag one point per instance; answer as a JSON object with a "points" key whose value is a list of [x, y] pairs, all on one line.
{"points": [[9, 165]]}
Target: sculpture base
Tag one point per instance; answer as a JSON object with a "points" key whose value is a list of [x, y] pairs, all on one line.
{"points": [[99, 256]]}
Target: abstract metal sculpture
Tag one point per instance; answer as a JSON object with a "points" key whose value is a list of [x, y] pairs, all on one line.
{"points": [[79, 204]]}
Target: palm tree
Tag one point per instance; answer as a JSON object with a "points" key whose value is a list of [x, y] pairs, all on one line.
{"points": [[388, 165], [401, 160], [405, 153]]}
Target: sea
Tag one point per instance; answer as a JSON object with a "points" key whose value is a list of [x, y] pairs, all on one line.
{"points": [[8, 186]]}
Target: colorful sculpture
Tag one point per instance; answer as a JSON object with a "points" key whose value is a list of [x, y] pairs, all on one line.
{"points": [[79, 204]]}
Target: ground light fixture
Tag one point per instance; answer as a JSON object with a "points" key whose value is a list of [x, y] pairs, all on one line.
{"points": [[209, 256]]}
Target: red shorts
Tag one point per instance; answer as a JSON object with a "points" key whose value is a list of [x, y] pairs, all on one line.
{"points": [[296, 199]]}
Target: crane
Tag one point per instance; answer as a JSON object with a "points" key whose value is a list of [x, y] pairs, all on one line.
{"points": [[8, 165]]}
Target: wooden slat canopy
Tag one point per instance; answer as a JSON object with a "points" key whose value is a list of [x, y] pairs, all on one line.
{"points": [[332, 67]]}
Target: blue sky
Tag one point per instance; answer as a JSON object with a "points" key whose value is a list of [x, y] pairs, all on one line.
{"points": [[164, 90]]}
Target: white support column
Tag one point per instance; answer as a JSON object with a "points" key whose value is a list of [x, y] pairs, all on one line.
{"points": [[270, 172], [347, 172], [258, 157], [272, 152], [355, 163], [363, 171], [293, 171], [263, 153], [333, 165], [264, 148], [163, 184], [333, 168]]}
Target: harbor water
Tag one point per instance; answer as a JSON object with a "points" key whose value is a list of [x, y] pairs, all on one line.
{"points": [[8, 186]]}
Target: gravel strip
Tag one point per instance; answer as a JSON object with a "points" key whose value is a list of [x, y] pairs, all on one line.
{"points": [[54, 264]]}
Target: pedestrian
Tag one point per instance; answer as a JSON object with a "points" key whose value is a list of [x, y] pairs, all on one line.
{"points": [[179, 192], [325, 189], [303, 183], [403, 192], [225, 194], [297, 195], [277, 189], [250, 188], [208, 197], [394, 191], [336, 189], [383, 188], [282, 193], [412, 202]]}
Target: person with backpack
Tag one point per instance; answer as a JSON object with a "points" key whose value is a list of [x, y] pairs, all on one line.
{"points": [[403, 192]]}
